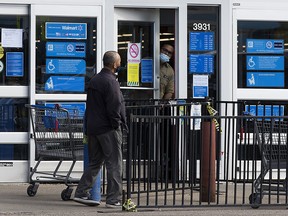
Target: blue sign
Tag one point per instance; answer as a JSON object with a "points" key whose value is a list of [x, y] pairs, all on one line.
{"points": [[265, 63], [267, 110], [201, 64], [200, 91], [15, 64], [66, 49], [201, 41], [65, 83], [146, 71], [264, 46], [65, 66], [74, 109], [56, 30], [265, 79]]}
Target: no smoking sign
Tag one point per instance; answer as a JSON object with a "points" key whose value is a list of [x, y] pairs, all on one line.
{"points": [[134, 52]]}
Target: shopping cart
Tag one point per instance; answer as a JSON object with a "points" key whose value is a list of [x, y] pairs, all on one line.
{"points": [[271, 138], [58, 136]]}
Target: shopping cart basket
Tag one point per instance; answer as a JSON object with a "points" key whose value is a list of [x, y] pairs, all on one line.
{"points": [[58, 136], [271, 138]]}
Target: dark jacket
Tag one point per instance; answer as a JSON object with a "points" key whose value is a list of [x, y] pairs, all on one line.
{"points": [[104, 103]]}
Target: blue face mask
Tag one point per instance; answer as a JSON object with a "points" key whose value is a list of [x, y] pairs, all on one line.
{"points": [[164, 57]]}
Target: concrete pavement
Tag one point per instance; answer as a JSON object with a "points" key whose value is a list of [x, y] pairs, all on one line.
{"points": [[47, 202]]}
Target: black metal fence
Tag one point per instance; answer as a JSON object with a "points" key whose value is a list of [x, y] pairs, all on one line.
{"points": [[206, 153]]}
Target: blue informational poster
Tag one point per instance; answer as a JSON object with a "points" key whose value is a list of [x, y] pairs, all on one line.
{"points": [[200, 86], [265, 62], [200, 91], [201, 41], [265, 79], [65, 66], [66, 49], [65, 83], [264, 46], [74, 108], [55, 30], [146, 70], [201, 64], [15, 64]]}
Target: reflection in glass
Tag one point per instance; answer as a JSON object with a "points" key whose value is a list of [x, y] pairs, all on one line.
{"points": [[13, 115], [13, 152]]}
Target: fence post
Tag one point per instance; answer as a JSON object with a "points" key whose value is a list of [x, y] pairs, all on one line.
{"points": [[208, 157]]}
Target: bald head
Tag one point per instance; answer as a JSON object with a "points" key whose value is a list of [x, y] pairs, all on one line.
{"points": [[109, 58]]}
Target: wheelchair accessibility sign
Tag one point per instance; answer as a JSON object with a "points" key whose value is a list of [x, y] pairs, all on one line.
{"points": [[265, 63]]}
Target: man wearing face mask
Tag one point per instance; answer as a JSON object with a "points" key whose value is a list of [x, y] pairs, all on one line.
{"points": [[166, 72], [105, 115]]}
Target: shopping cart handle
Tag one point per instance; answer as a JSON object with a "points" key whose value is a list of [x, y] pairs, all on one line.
{"points": [[246, 113], [43, 107]]}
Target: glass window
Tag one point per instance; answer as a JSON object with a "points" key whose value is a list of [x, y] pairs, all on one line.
{"points": [[14, 54], [13, 115], [143, 76], [65, 54], [13, 152], [261, 54], [203, 48]]}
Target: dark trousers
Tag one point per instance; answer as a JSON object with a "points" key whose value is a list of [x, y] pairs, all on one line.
{"points": [[104, 148]]}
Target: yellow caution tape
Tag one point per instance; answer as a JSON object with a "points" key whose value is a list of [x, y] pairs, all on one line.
{"points": [[213, 112]]}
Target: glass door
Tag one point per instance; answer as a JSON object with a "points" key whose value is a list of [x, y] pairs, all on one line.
{"points": [[138, 44], [14, 77], [259, 69], [66, 45]]}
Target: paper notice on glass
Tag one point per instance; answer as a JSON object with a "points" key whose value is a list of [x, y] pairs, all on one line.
{"points": [[195, 123], [200, 86], [133, 74], [12, 38]]}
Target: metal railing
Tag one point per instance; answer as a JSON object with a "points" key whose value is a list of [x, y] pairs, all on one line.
{"points": [[176, 155]]}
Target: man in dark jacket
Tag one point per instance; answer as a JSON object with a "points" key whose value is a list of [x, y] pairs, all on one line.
{"points": [[105, 114]]}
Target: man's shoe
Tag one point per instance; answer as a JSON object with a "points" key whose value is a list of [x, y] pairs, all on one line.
{"points": [[114, 205], [86, 201]]}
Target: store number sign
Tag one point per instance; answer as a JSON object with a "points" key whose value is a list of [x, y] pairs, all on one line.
{"points": [[201, 26]]}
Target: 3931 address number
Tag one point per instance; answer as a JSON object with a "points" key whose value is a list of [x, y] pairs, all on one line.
{"points": [[201, 26]]}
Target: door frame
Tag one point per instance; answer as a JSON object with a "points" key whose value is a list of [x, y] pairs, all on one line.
{"points": [[60, 11]]}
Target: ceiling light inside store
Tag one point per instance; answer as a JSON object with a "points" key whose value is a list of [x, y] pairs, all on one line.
{"points": [[166, 33], [125, 35], [167, 39], [123, 42]]}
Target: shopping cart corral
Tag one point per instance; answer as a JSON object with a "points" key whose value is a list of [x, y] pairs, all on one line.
{"points": [[271, 138], [58, 136]]}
